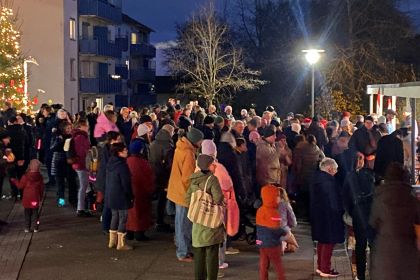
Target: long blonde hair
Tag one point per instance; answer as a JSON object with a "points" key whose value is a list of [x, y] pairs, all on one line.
{"points": [[283, 194]]}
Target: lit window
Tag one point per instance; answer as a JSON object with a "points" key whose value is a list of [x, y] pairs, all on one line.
{"points": [[72, 69], [134, 38], [72, 25]]}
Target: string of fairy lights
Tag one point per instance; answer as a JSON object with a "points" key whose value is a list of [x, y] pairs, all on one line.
{"points": [[11, 64]]}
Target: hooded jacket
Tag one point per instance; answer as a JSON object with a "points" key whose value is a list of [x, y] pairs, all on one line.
{"points": [[161, 153], [81, 147], [268, 219], [183, 167], [103, 125], [32, 184], [119, 194]]}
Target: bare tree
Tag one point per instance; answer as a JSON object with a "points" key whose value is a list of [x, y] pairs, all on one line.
{"points": [[208, 62]]}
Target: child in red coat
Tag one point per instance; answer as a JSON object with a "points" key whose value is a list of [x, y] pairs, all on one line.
{"points": [[32, 185]]}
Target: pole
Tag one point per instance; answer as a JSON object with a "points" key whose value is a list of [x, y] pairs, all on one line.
{"points": [[413, 140], [313, 91], [25, 87]]}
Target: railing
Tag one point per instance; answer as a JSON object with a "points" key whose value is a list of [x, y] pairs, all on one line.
{"points": [[100, 85], [99, 47], [142, 74], [101, 9], [142, 50], [122, 71]]}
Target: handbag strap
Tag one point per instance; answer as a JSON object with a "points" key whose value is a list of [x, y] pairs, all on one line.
{"points": [[205, 185]]}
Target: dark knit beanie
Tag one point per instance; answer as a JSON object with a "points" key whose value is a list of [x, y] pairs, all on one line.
{"points": [[145, 119], [204, 162], [195, 135], [269, 132], [208, 120]]}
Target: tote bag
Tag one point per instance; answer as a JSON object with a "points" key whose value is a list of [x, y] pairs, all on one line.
{"points": [[203, 210], [232, 221]]}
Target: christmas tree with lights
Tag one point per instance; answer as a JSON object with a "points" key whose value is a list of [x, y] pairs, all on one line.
{"points": [[11, 63]]}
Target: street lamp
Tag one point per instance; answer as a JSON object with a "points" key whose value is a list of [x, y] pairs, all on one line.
{"points": [[25, 73], [312, 56]]}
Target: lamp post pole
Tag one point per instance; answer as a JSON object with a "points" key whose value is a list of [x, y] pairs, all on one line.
{"points": [[313, 92], [25, 73], [312, 56]]}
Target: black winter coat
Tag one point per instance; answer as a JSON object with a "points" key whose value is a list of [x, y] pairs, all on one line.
{"points": [[161, 156], [360, 141], [390, 149], [18, 140], [118, 195], [326, 209], [103, 157], [321, 136]]}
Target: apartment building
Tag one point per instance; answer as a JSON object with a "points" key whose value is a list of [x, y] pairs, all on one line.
{"points": [[87, 50]]}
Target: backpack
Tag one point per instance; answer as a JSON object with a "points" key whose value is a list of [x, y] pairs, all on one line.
{"points": [[70, 150], [92, 161]]}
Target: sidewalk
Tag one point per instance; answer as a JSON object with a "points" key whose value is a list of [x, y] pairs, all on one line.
{"points": [[75, 248]]}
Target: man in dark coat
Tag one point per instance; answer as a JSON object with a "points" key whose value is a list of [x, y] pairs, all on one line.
{"points": [[365, 140], [326, 215], [199, 116], [207, 128], [7, 114], [319, 132], [390, 149], [161, 154]]}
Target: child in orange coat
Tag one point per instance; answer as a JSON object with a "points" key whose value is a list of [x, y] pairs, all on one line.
{"points": [[269, 232]]}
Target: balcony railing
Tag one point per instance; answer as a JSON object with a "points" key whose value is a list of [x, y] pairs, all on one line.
{"points": [[100, 85], [122, 71], [142, 74], [102, 9], [142, 50], [99, 48]]}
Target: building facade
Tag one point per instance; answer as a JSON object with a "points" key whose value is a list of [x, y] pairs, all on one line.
{"points": [[87, 50]]}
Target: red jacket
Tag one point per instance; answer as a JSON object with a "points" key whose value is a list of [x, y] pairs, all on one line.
{"points": [[143, 186], [81, 147], [32, 185]]}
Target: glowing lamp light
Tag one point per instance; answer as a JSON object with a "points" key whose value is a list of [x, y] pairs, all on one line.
{"points": [[313, 55]]}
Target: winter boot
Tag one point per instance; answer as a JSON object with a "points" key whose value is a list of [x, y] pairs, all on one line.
{"points": [[112, 239], [121, 242]]}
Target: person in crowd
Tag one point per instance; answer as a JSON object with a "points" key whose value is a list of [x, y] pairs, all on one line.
{"points": [[5, 158], [245, 116], [268, 159], [60, 168], [245, 168], [406, 141], [177, 114], [92, 115], [118, 196], [269, 232], [306, 158], [217, 129], [252, 125], [7, 114], [291, 131], [318, 131], [343, 156], [285, 157], [390, 116], [106, 122], [287, 222], [208, 127], [199, 116], [143, 185], [125, 124], [390, 149], [212, 111], [26, 123], [161, 157], [183, 167], [205, 240], [81, 146], [365, 140], [228, 113], [238, 129], [32, 184], [395, 217], [104, 151], [326, 216], [358, 191], [360, 120], [143, 135], [347, 126]]}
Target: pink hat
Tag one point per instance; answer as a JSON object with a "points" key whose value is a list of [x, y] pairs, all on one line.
{"points": [[208, 148], [254, 136]]}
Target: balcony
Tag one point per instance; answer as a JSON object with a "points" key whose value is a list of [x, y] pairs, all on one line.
{"points": [[122, 43], [100, 85], [142, 50], [142, 74], [122, 71], [99, 48], [102, 9]]}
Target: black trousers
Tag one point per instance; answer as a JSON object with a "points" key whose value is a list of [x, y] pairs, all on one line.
{"points": [[206, 262], [360, 234], [161, 206], [31, 217], [70, 176]]}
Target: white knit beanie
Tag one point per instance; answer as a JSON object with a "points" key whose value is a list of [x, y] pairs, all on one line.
{"points": [[142, 129], [209, 148]]}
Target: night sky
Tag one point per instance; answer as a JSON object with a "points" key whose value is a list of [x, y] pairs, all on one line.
{"points": [[162, 16]]}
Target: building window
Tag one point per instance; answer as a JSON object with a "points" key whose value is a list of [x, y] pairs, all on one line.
{"points": [[134, 38], [72, 69], [72, 24]]}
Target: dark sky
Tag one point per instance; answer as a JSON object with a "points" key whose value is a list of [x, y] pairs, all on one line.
{"points": [[161, 16]]}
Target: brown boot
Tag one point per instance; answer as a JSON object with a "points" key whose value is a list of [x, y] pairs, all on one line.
{"points": [[121, 242], [112, 239]]}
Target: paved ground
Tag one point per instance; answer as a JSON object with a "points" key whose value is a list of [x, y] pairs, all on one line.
{"points": [[75, 248]]}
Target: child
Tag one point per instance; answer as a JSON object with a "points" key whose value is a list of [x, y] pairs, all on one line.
{"points": [[33, 186], [288, 221], [206, 240], [269, 232]]}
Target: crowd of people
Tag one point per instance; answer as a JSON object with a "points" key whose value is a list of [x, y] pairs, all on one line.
{"points": [[214, 172]]}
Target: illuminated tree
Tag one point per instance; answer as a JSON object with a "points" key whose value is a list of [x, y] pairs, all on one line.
{"points": [[11, 62]]}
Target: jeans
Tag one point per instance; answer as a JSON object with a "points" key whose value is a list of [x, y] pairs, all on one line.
{"points": [[324, 252], [31, 214], [106, 218], [273, 256], [183, 232], [119, 220], [222, 253], [206, 262], [83, 176]]}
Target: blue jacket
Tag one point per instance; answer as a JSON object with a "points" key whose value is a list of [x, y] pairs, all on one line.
{"points": [[269, 237], [118, 193]]}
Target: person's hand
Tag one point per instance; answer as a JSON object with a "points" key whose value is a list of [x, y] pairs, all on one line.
{"points": [[20, 162]]}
